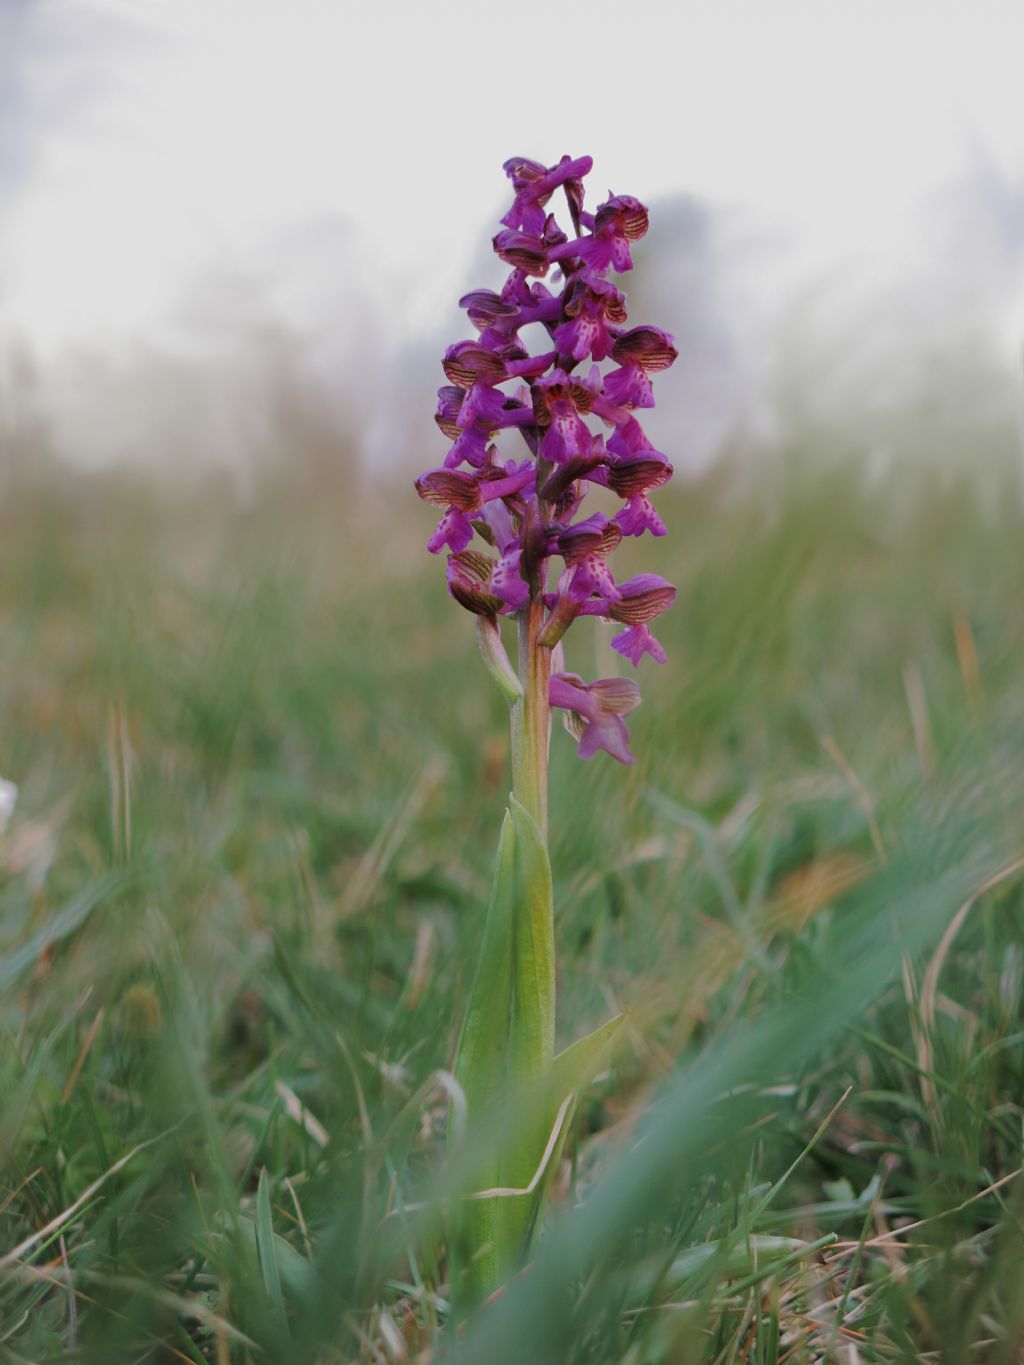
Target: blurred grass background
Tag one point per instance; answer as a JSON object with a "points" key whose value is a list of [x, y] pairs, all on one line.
{"points": [[261, 772]]}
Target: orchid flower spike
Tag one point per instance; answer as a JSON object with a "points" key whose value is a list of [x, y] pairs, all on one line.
{"points": [[592, 368]]}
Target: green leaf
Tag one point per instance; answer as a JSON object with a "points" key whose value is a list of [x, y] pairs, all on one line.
{"points": [[533, 998], [267, 1251], [577, 1066], [481, 1059], [481, 1064], [755, 1255], [571, 1072], [297, 1275], [506, 1051]]}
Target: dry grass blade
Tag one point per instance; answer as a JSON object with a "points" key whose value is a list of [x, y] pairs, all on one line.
{"points": [[930, 982], [845, 1249], [18, 1253], [87, 1042], [296, 1110]]}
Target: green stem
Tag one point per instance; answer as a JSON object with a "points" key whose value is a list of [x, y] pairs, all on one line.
{"points": [[531, 718], [506, 1049]]}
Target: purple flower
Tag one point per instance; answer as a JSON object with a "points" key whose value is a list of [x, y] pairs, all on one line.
{"points": [[637, 601], [619, 221], [507, 580], [585, 547], [641, 352], [529, 512], [566, 435], [594, 712], [534, 185], [464, 495], [590, 306]]}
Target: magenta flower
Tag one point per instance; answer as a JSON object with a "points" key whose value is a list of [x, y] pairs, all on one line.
{"points": [[534, 185], [528, 514], [591, 307], [595, 710]]}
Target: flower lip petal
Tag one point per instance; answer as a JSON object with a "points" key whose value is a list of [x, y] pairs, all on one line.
{"points": [[454, 530], [507, 580], [610, 734], [639, 516], [629, 386], [636, 641], [470, 446]]}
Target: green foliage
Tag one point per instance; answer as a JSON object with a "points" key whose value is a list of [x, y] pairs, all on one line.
{"points": [[506, 1070], [261, 770]]}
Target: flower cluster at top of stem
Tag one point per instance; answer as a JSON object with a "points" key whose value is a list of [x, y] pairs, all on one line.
{"points": [[526, 511]]}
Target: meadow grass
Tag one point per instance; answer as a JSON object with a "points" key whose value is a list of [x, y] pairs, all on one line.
{"points": [[261, 777]]}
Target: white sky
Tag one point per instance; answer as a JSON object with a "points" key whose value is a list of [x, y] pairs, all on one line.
{"points": [[176, 175], [152, 137]]}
